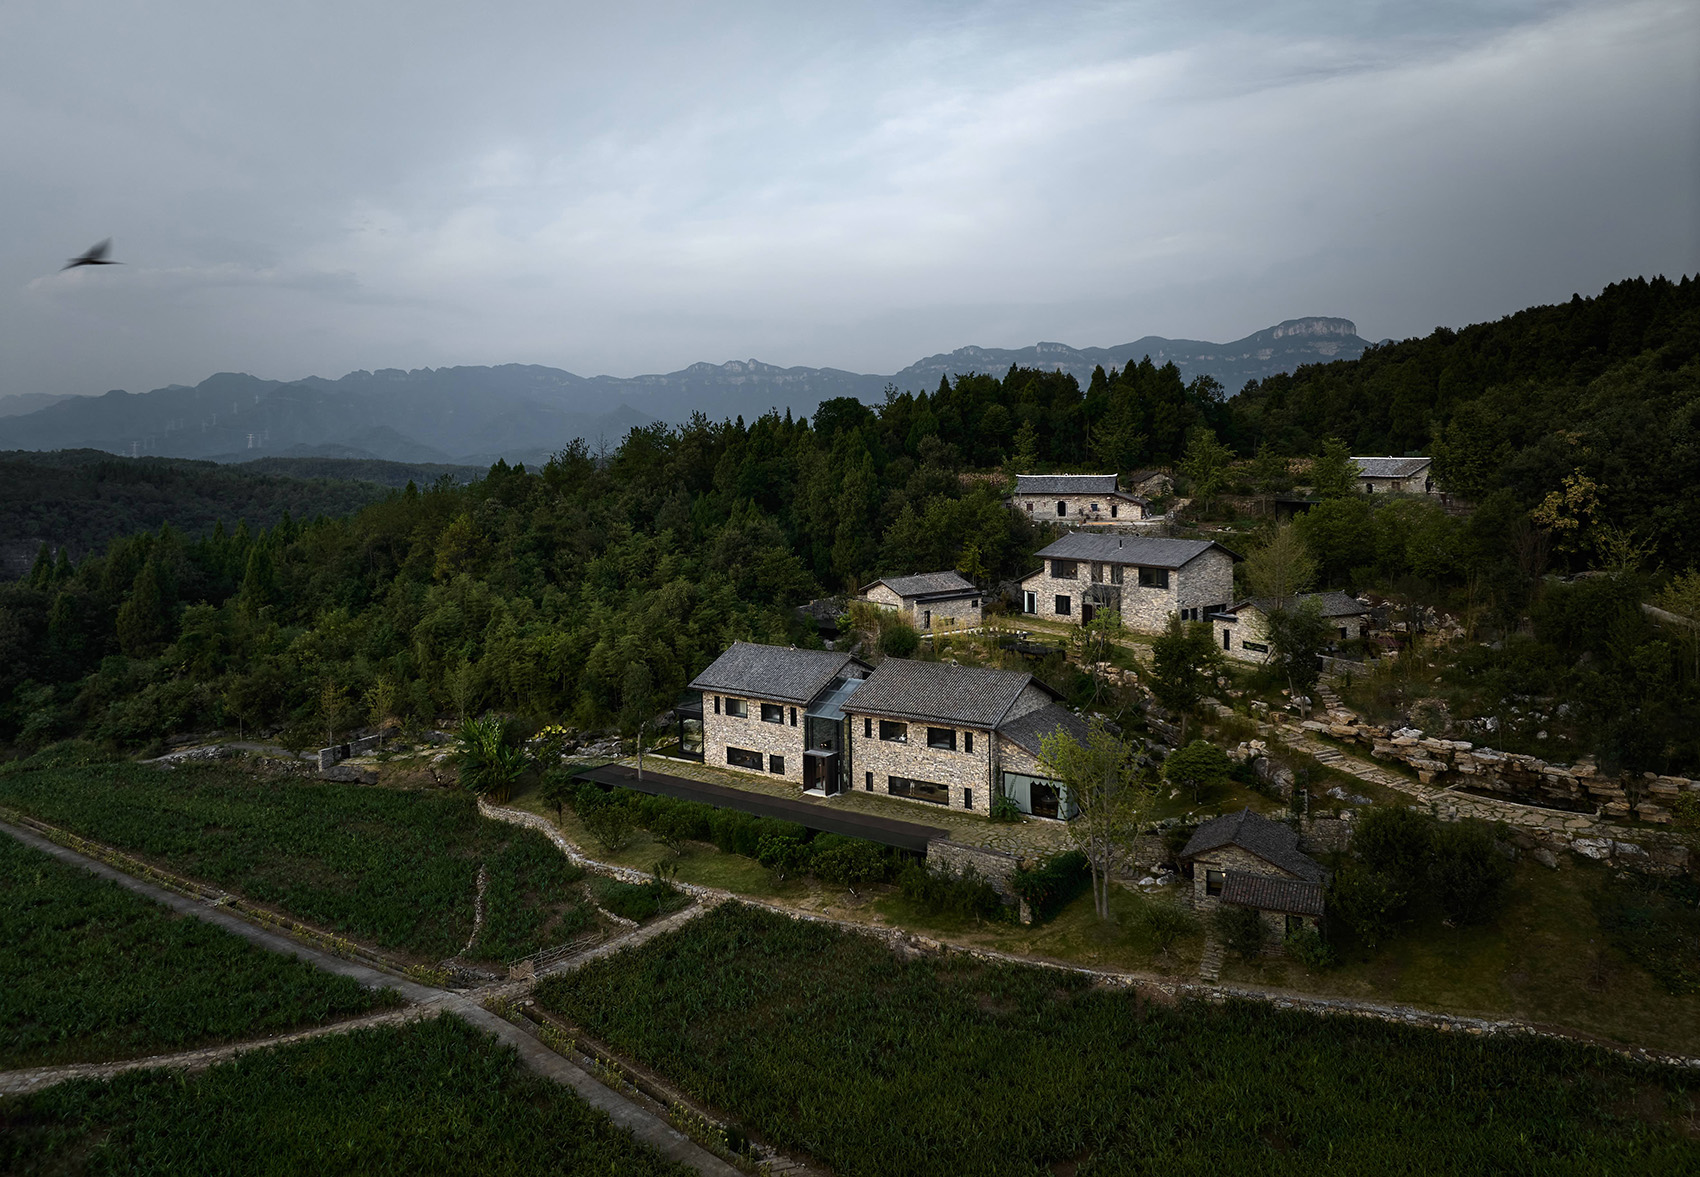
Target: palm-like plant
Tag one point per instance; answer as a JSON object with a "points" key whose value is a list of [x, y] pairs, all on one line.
{"points": [[489, 762]]}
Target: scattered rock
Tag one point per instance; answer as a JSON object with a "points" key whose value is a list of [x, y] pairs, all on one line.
{"points": [[349, 774], [1599, 849], [1545, 857]]}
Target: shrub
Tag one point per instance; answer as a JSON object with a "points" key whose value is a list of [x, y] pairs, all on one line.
{"points": [[1307, 946], [967, 895], [1468, 874], [898, 640], [1396, 842], [1240, 929], [610, 824], [1005, 809], [636, 901], [1053, 883], [1165, 923], [1369, 901], [489, 757], [1656, 922], [782, 855], [849, 862], [1197, 767]]}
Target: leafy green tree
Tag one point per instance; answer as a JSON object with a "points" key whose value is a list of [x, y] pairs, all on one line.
{"points": [[1106, 785], [1298, 635], [1240, 930], [1184, 666], [1206, 463], [1026, 453], [1333, 474], [489, 758], [143, 622], [557, 792], [1468, 874], [639, 701], [1198, 767], [1281, 568]]}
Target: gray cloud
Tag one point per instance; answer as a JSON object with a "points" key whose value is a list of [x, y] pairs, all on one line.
{"points": [[314, 190]]}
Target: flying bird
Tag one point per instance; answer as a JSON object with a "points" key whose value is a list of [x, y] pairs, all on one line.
{"points": [[96, 256]]}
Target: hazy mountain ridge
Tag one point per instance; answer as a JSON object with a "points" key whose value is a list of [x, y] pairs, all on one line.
{"points": [[524, 412]]}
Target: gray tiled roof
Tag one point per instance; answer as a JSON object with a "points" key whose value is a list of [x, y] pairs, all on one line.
{"points": [[1334, 604], [781, 673], [970, 696], [1065, 484], [1390, 467], [1271, 841], [1146, 551], [1028, 730], [1268, 893], [926, 584]]}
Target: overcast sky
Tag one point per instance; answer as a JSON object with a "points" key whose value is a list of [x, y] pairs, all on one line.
{"points": [[309, 188]]}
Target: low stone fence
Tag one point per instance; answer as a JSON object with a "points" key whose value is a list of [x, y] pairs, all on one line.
{"points": [[1580, 787], [337, 753], [995, 866]]}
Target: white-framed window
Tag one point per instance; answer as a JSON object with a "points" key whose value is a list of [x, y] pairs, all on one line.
{"points": [[1029, 602]]}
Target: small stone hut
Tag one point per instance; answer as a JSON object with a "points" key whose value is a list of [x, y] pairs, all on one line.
{"points": [[1246, 860]]}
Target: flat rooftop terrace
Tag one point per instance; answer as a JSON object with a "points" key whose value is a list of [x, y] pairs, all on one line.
{"points": [[822, 816]]}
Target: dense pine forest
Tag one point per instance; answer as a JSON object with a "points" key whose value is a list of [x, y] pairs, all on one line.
{"points": [[570, 590]]}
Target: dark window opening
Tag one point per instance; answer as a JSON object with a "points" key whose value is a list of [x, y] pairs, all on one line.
{"points": [[1227, 639], [967, 741], [1115, 573], [868, 728], [942, 737], [717, 704], [894, 732], [737, 709], [1029, 604], [1063, 570], [1154, 578], [868, 782], [1255, 647], [743, 758], [968, 798], [1064, 607], [776, 765], [1112, 510], [1062, 509], [1295, 923], [772, 713], [793, 717], [902, 786], [1213, 880]]}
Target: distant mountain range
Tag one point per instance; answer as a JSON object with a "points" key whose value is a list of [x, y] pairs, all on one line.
{"points": [[526, 412]]}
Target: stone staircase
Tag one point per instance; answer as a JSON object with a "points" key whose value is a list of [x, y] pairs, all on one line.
{"points": [[1210, 967]]}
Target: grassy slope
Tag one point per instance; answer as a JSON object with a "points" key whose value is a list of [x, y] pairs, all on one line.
{"points": [[393, 867], [95, 972], [430, 1097], [825, 1042]]}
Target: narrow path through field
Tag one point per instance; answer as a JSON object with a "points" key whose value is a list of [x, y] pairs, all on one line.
{"points": [[643, 1125]]}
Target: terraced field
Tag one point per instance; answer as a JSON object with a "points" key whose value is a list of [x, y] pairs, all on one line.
{"points": [[429, 1097], [392, 867], [824, 1042], [94, 972]]}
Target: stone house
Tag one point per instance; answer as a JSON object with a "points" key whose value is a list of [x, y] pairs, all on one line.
{"points": [[1076, 498], [939, 733], [1244, 628], [1246, 860], [929, 599], [775, 710], [1413, 476], [1147, 579]]}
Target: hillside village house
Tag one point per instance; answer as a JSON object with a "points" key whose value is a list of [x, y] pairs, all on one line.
{"points": [[1244, 627], [1413, 476], [1246, 860], [1075, 498], [775, 710], [928, 732], [1146, 579], [942, 599]]}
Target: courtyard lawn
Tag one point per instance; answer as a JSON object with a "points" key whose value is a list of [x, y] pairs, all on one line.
{"points": [[95, 972], [826, 1042], [424, 1098], [393, 867]]}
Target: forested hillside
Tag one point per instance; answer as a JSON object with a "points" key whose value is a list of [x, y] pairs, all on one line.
{"points": [[600, 583], [83, 499]]}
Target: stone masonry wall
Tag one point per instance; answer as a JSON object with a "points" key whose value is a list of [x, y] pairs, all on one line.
{"points": [[1044, 508], [959, 769], [336, 753], [1205, 581], [770, 739]]}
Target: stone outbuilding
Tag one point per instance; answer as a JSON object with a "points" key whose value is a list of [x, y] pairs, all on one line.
{"points": [[1243, 628], [1076, 498], [1413, 476], [1246, 860], [1146, 579], [942, 600], [775, 710]]}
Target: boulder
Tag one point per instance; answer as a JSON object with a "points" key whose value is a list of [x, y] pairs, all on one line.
{"points": [[1545, 857]]}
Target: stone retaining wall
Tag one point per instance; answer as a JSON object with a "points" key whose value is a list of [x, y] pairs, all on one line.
{"points": [[337, 753]]}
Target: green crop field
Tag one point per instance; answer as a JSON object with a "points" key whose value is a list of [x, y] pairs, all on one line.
{"points": [[394, 867], [95, 972], [426, 1098], [824, 1041]]}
